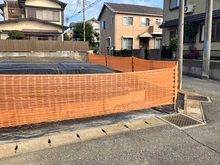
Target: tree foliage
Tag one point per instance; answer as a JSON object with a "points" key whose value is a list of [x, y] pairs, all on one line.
{"points": [[66, 37], [90, 34], [191, 30], [15, 35], [173, 44]]}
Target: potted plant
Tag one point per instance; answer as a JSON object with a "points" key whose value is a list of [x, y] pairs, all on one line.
{"points": [[173, 46]]}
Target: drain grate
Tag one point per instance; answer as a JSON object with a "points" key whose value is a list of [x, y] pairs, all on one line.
{"points": [[200, 98], [181, 120]]}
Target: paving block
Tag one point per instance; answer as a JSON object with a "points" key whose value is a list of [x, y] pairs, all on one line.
{"points": [[154, 121], [115, 128], [192, 103], [136, 124], [90, 133]]}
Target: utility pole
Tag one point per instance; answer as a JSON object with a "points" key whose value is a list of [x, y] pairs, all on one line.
{"points": [[207, 39], [84, 24], [180, 43]]}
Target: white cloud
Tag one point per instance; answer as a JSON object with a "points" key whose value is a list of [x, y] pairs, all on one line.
{"points": [[72, 8]]}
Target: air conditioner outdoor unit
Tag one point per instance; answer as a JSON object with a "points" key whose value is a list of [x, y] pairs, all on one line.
{"points": [[189, 8]]}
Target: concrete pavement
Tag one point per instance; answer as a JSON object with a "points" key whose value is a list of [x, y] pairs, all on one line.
{"points": [[163, 144]]}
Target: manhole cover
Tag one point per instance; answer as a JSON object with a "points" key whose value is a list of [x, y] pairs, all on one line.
{"points": [[181, 120], [200, 98]]}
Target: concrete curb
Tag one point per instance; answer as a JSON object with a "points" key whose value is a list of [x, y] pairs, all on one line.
{"points": [[193, 107], [64, 138]]}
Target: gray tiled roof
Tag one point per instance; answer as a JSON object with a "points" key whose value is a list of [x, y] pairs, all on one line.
{"points": [[128, 8], [192, 18]]}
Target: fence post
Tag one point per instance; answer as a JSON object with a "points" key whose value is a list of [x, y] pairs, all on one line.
{"points": [[132, 65], [87, 56], [106, 60], [175, 85]]}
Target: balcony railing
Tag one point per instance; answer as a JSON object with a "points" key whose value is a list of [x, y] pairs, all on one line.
{"points": [[155, 29]]}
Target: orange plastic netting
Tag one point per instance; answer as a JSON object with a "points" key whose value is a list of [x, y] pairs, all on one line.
{"points": [[129, 64], [26, 99]]}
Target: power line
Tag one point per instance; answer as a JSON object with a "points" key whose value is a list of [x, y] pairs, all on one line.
{"points": [[86, 8], [77, 5]]}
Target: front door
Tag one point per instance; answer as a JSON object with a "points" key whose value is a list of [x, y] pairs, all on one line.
{"points": [[144, 42]]}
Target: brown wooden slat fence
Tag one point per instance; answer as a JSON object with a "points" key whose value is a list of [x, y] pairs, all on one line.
{"points": [[42, 46]]}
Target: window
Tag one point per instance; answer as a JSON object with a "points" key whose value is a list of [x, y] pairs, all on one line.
{"points": [[112, 20], [48, 15], [215, 32], [145, 21], [172, 34], [103, 25], [158, 43], [127, 43], [174, 4], [202, 32], [158, 21], [108, 42], [127, 20]]}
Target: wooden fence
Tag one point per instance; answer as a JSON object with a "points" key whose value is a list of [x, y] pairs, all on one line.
{"points": [[42, 46]]}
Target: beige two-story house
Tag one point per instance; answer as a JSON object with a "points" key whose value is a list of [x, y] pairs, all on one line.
{"points": [[126, 26], [38, 20], [194, 12]]}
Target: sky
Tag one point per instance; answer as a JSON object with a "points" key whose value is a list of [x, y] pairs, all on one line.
{"points": [[73, 10]]}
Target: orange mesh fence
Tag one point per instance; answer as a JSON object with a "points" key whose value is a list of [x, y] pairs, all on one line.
{"points": [[129, 64], [26, 99], [141, 65], [97, 59], [123, 64]]}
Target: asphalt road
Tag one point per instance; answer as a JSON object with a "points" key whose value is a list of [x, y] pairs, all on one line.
{"points": [[163, 145]]}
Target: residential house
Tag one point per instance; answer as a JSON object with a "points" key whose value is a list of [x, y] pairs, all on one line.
{"points": [[93, 22], [96, 27], [194, 13], [126, 26], [38, 20]]}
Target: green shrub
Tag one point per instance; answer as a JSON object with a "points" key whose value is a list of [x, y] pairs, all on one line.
{"points": [[125, 52], [173, 44]]}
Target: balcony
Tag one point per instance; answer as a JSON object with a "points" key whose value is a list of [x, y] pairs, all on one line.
{"points": [[155, 30]]}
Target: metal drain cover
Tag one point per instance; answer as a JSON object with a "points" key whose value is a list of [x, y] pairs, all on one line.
{"points": [[200, 98], [180, 120]]}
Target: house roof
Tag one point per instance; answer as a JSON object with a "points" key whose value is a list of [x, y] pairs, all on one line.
{"points": [[145, 35], [93, 20], [63, 5], [33, 19], [19, 3], [13, 4], [131, 9], [192, 18]]}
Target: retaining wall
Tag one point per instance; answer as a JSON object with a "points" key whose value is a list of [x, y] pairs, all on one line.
{"points": [[82, 56], [194, 68]]}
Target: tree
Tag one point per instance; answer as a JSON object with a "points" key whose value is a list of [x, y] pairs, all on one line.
{"points": [[191, 30], [90, 34], [15, 35], [66, 37]]}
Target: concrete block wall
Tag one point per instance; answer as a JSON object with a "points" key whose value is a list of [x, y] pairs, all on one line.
{"points": [[194, 68], [82, 56]]}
